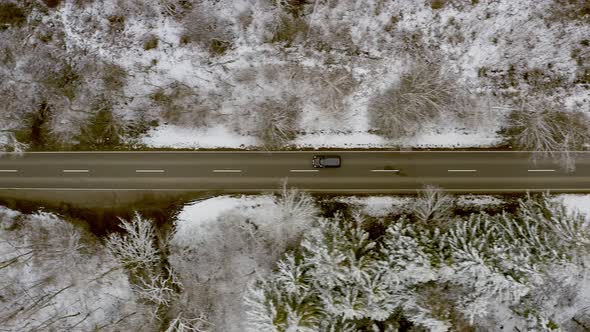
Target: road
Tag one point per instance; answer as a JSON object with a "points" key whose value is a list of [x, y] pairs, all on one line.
{"points": [[240, 171]]}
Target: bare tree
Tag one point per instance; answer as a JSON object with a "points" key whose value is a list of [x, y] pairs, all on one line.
{"points": [[432, 204], [184, 324], [542, 127], [419, 96], [135, 249]]}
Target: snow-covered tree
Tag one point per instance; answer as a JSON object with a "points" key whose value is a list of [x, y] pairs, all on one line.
{"points": [[541, 126], [136, 248], [432, 205]]}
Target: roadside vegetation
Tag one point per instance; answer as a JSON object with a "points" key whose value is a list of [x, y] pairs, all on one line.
{"points": [[292, 262], [278, 73]]}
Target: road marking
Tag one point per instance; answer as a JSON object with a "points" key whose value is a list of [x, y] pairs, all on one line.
{"points": [[385, 170], [227, 171], [461, 170], [149, 171], [75, 171], [8, 170], [303, 170], [541, 170]]}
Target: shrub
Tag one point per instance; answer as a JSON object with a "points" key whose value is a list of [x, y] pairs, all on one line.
{"points": [[116, 23], [570, 10], [37, 131], [437, 4], [295, 8], [181, 105], [289, 30], [65, 81], [114, 77], [207, 31], [276, 121], [419, 96], [150, 43], [542, 127], [103, 130], [11, 14], [52, 3]]}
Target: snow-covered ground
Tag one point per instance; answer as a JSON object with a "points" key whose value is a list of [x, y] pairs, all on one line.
{"points": [[194, 98], [56, 277], [576, 202]]}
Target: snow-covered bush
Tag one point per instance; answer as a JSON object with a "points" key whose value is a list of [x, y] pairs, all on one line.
{"points": [[58, 277], [277, 121], [432, 205], [543, 127], [420, 95]]}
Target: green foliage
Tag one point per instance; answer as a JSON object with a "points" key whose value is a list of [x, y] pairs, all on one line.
{"points": [[151, 42], [11, 14], [102, 130], [64, 82]]}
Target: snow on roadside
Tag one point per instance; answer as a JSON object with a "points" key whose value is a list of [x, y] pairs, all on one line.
{"points": [[195, 219], [576, 202], [188, 138], [378, 206]]}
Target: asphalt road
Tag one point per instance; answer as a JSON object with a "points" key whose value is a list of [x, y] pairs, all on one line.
{"points": [[238, 171]]}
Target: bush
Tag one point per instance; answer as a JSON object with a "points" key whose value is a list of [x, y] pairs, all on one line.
{"points": [[289, 30], [103, 130], [542, 127], [11, 14], [116, 23], [276, 122], [65, 81], [37, 132], [207, 31], [180, 104], [52, 3], [150, 43], [419, 96], [114, 77], [570, 10]]}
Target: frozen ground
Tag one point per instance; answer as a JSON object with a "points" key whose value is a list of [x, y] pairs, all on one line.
{"points": [[487, 47]]}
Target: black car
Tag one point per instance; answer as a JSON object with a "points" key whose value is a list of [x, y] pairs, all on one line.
{"points": [[322, 161]]}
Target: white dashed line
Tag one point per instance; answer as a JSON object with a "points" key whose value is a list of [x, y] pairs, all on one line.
{"points": [[385, 170], [8, 170], [227, 171], [461, 170], [541, 170], [75, 171], [149, 171], [304, 170]]}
